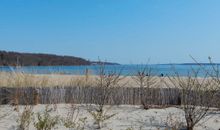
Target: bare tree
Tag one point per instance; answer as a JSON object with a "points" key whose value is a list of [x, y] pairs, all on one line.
{"points": [[196, 95], [105, 83], [145, 80], [213, 72]]}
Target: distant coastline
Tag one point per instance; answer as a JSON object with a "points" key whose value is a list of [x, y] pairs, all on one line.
{"points": [[9, 58], [191, 64]]}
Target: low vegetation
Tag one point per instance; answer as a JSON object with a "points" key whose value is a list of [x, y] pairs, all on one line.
{"points": [[72, 120], [44, 120], [196, 97], [25, 117]]}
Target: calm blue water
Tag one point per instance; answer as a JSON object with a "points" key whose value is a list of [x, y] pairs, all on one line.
{"points": [[182, 70]]}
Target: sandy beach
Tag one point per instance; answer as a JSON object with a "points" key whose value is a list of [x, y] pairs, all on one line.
{"points": [[126, 118]]}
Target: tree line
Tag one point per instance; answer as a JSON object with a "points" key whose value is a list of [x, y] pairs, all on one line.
{"points": [[30, 59]]}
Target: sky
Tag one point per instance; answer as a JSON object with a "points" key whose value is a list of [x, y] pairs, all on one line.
{"points": [[122, 31]]}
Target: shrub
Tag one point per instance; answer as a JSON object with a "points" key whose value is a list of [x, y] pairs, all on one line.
{"points": [[145, 80], [73, 121], [25, 117], [45, 121], [100, 117], [197, 96]]}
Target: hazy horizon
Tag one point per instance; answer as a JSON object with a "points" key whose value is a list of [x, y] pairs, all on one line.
{"points": [[125, 31]]}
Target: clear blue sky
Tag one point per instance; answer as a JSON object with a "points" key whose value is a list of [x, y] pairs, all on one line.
{"points": [[123, 31]]}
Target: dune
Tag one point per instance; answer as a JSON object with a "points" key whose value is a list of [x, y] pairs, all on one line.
{"points": [[126, 117]]}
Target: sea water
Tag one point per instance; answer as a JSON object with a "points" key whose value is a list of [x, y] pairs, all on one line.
{"points": [[155, 69]]}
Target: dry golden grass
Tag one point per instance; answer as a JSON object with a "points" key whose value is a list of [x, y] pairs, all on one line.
{"points": [[37, 80], [17, 79]]}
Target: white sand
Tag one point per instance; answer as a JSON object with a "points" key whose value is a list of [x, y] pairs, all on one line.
{"points": [[127, 116]]}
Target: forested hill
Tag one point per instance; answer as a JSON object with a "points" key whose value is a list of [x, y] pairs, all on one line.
{"points": [[30, 59]]}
